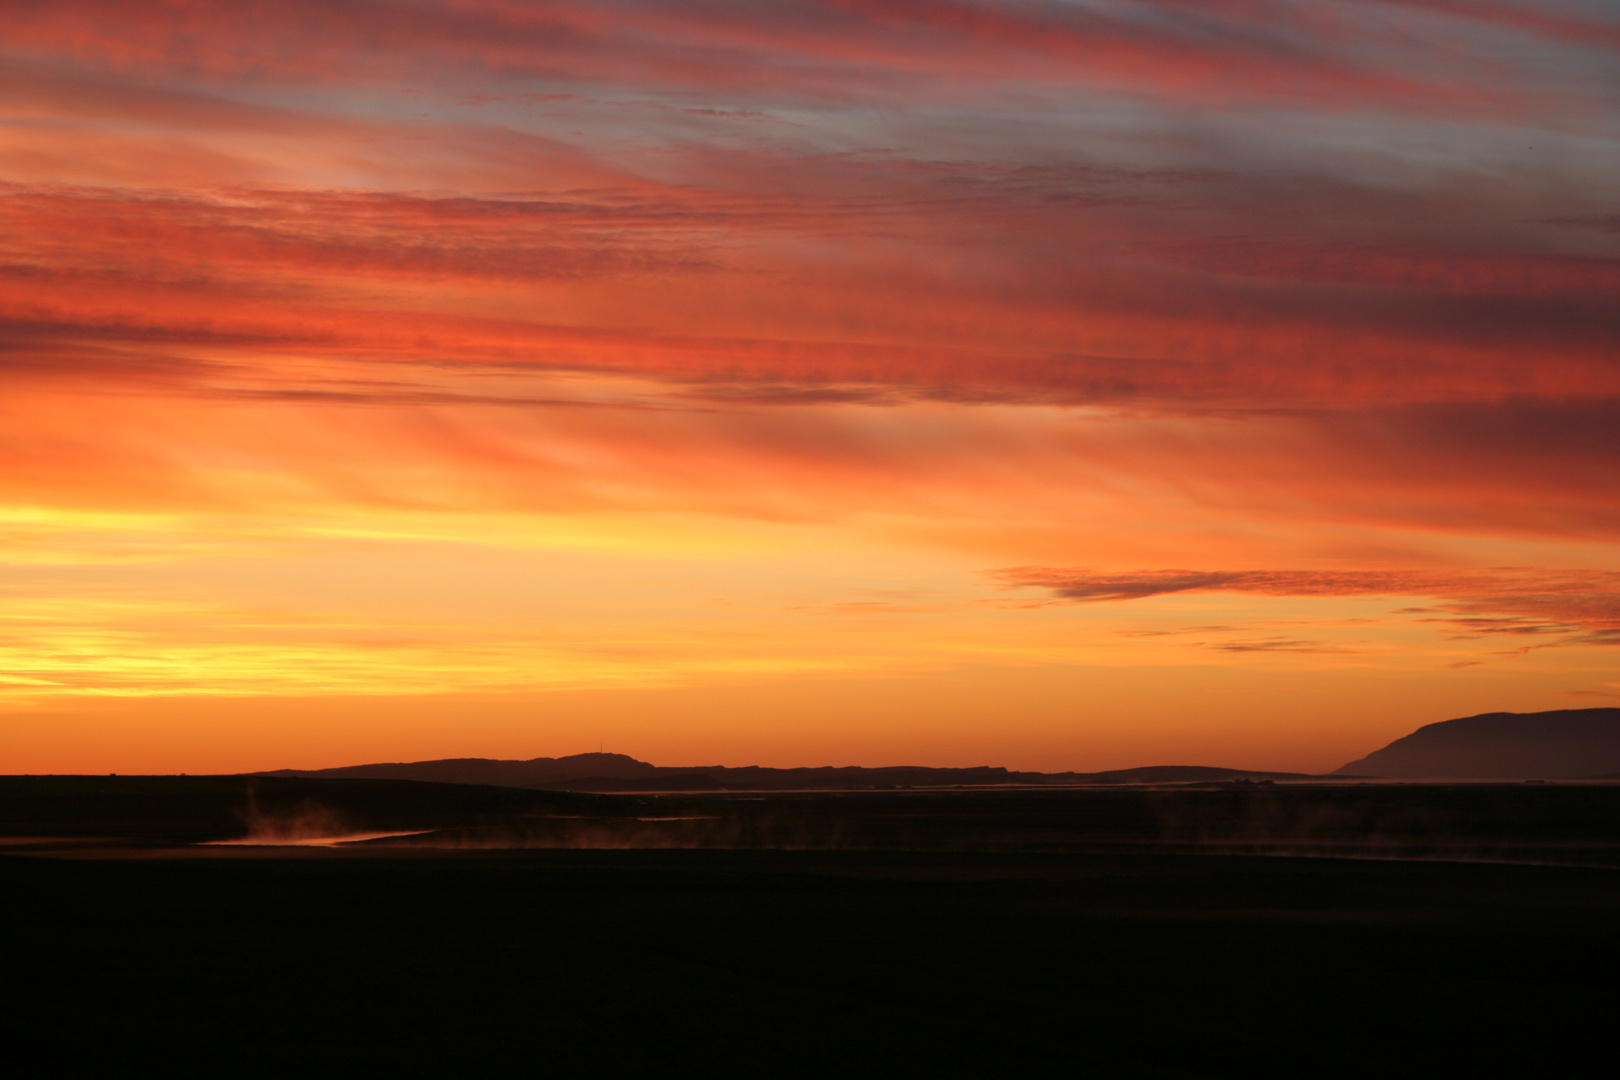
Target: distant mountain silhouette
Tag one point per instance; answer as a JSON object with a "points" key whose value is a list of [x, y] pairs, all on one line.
{"points": [[534, 773], [1560, 744], [618, 772]]}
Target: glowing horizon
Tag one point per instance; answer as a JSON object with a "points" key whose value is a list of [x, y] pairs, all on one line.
{"points": [[1059, 386]]}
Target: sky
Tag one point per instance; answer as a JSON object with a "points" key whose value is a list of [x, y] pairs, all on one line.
{"points": [[1062, 385]]}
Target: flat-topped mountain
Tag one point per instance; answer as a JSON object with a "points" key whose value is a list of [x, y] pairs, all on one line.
{"points": [[618, 772], [1560, 744]]}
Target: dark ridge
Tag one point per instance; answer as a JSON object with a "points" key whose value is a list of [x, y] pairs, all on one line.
{"points": [[1556, 745], [618, 772], [533, 773], [1182, 774]]}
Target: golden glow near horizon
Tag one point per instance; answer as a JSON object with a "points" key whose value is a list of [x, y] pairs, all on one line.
{"points": [[948, 384]]}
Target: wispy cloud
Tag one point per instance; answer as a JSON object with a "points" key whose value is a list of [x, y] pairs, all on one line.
{"points": [[1306, 50], [1579, 607]]}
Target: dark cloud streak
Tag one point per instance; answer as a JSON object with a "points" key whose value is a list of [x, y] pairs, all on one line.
{"points": [[1575, 607]]}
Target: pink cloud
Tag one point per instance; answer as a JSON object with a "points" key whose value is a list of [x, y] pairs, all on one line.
{"points": [[921, 48]]}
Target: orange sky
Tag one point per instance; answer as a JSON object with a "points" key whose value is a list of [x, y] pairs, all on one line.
{"points": [[1058, 386]]}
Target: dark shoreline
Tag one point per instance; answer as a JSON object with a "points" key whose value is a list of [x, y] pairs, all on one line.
{"points": [[1564, 823]]}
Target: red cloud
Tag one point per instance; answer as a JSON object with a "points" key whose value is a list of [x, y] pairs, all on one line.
{"points": [[726, 293], [917, 48]]}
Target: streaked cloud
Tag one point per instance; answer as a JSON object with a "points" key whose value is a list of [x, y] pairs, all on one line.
{"points": [[776, 323], [1568, 608]]}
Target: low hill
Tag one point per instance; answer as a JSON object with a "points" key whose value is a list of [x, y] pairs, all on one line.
{"points": [[1560, 744], [617, 772], [540, 772]]}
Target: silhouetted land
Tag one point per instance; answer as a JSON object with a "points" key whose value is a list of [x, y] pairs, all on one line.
{"points": [[1559, 744], [1564, 823], [982, 933], [620, 772]]}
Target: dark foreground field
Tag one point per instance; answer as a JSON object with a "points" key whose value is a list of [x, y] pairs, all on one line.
{"points": [[1009, 955]]}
